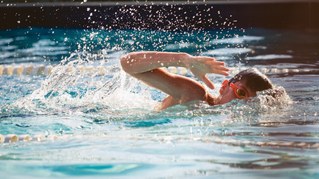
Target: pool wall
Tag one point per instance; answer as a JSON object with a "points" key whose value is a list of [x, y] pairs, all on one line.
{"points": [[162, 15]]}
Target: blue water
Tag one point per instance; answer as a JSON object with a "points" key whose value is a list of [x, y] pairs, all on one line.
{"points": [[106, 126]]}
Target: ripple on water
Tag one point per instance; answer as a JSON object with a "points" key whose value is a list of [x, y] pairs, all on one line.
{"points": [[237, 40], [269, 57], [4, 41], [227, 51], [93, 169], [102, 133]]}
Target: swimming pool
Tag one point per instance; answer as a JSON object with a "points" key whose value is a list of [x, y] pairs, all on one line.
{"points": [[85, 123]]}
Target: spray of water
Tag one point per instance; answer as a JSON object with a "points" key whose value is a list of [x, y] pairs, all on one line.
{"points": [[268, 103], [68, 90]]}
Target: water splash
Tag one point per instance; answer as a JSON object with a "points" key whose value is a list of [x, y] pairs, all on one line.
{"points": [[273, 99], [267, 103], [68, 90]]}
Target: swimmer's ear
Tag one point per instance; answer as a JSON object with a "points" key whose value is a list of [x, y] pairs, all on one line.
{"points": [[209, 83]]}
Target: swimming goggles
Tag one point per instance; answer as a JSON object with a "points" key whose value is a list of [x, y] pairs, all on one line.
{"points": [[240, 93]]}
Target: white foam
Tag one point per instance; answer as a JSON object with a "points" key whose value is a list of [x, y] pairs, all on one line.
{"points": [[272, 99]]}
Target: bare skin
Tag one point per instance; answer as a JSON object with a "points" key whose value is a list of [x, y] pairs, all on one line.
{"points": [[146, 66]]}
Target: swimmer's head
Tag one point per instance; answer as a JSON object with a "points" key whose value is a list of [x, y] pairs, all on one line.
{"points": [[244, 85]]}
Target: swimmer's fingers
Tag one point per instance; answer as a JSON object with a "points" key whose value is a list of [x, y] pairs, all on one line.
{"points": [[203, 65], [224, 72], [218, 67]]}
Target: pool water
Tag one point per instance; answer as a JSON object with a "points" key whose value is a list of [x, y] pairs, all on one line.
{"points": [[88, 124]]}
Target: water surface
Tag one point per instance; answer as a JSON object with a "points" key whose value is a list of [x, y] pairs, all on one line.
{"points": [[94, 125]]}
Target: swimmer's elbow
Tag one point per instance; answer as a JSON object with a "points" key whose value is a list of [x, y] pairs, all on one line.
{"points": [[125, 63], [130, 62]]}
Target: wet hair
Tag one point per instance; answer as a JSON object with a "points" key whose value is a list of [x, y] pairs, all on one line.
{"points": [[253, 79]]}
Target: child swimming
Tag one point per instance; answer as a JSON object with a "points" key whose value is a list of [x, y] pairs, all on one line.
{"points": [[147, 67]]}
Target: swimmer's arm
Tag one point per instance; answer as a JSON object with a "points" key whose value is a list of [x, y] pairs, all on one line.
{"points": [[179, 88], [145, 66], [139, 62]]}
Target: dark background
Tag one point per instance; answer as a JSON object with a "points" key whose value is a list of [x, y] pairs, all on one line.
{"points": [[177, 15]]}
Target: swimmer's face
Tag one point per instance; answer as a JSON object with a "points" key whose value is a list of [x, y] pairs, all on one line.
{"points": [[234, 90]]}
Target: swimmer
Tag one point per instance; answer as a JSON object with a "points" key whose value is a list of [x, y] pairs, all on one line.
{"points": [[146, 66]]}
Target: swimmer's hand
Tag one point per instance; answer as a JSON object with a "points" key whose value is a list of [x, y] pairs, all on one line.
{"points": [[201, 65]]}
